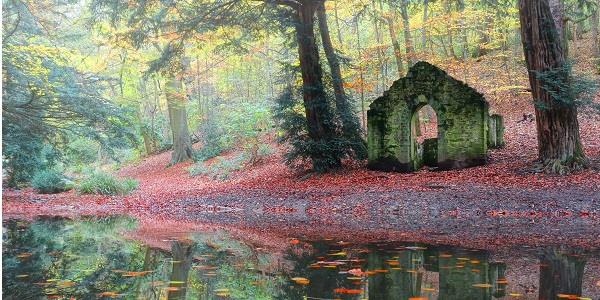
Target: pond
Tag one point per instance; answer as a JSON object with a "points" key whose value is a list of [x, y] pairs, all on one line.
{"points": [[110, 257]]}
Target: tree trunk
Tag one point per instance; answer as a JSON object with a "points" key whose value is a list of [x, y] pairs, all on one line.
{"points": [[381, 85], [337, 23], [423, 31], [341, 101], [361, 77], [463, 29], [557, 126], [448, 10], [176, 100], [318, 114], [484, 37], [396, 45], [410, 50], [594, 20], [557, 8], [560, 273], [182, 262]]}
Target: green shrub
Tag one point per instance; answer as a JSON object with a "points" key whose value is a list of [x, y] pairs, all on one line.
{"points": [[220, 169], [106, 184], [49, 182]]}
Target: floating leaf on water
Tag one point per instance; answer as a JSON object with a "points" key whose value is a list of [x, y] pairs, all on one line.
{"points": [[567, 296], [347, 291], [482, 285], [445, 255], [108, 294], [428, 289], [135, 273], [415, 248], [23, 255], [341, 253], [515, 294], [221, 290], [294, 241], [22, 276], [301, 280], [65, 283], [417, 298]]}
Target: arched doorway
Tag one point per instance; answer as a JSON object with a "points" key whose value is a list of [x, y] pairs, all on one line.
{"points": [[424, 132]]}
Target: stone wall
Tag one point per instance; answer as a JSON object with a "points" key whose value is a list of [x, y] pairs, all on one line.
{"points": [[462, 115]]}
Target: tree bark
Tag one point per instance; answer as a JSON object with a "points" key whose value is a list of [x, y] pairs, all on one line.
{"points": [[408, 43], [317, 110], [596, 42], [557, 126], [341, 101], [176, 100], [557, 8]]}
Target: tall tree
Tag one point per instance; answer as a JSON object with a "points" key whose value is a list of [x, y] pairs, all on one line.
{"points": [[595, 38], [408, 42], [319, 116], [395, 44], [176, 103], [559, 144], [350, 125]]}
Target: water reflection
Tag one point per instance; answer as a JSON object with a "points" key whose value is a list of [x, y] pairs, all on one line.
{"points": [[89, 258]]}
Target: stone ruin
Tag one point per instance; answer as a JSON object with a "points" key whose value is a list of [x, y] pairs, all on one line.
{"points": [[465, 129]]}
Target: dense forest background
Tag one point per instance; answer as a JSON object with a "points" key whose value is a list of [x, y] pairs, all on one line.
{"points": [[91, 85]]}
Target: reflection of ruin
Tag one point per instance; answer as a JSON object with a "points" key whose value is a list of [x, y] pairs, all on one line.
{"points": [[395, 275], [561, 273], [409, 272], [466, 274]]}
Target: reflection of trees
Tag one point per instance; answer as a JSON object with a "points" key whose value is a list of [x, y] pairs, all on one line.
{"points": [[182, 262], [561, 272], [465, 274], [67, 258], [398, 275]]}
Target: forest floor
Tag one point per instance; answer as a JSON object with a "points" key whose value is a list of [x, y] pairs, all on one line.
{"points": [[501, 202]]}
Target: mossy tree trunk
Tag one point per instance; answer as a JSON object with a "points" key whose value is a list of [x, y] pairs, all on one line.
{"points": [[559, 144], [176, 101], [321, 129]]}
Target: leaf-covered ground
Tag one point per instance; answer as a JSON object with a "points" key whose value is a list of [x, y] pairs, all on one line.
{"points": [[500, 201]]}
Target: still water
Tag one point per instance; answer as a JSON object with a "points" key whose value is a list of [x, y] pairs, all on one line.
{"points": [[96, 258]]}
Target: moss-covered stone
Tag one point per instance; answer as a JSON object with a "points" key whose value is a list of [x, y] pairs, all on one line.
{"points": [[462, 115], [495, 131]]}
